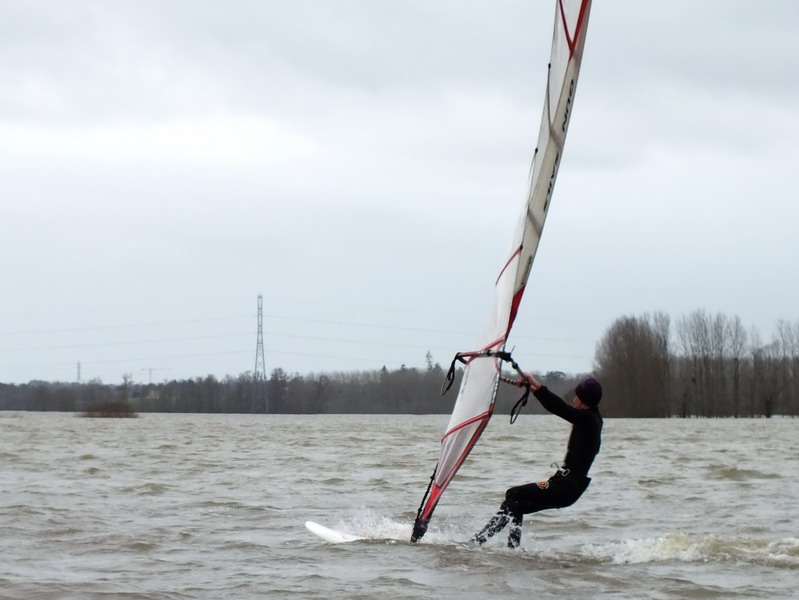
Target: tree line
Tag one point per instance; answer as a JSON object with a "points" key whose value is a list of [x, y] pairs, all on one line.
{"points": [[704, 365], [399, 391]]}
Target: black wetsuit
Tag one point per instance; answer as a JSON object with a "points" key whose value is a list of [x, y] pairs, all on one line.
{"points": [[566, 485]]}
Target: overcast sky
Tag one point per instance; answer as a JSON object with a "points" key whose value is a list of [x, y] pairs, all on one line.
{"points": [[362, 163]]}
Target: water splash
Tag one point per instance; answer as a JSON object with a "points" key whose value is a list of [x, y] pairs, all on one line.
{"points": [[778, 553]]}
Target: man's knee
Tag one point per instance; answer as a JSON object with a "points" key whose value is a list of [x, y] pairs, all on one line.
{"points": [[513, 499]]}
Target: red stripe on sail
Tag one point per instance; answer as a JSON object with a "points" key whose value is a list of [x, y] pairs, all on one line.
{"points": [[572, 41], [510, 260], [514, 308], [437, 490], [480, 417]]}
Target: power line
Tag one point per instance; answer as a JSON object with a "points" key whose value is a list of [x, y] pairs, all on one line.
{"points": [[277, 340], [127, 326]]}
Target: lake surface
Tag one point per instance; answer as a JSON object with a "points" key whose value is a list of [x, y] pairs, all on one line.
{"points": [[213, 506]]}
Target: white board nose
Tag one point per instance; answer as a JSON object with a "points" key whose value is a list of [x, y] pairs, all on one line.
{"points": [[330, 535]]}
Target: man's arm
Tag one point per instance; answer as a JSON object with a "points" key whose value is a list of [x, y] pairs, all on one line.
{"points": [[554, 403], [551, 401]]}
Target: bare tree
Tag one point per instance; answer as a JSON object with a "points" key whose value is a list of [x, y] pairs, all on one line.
{"points": [[765, 377], [787, 338], [692, 331], [737, 346], [632, 359], [706, 346]]}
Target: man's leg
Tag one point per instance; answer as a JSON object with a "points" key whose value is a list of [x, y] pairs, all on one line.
{"points": [[515, 533], [495, 525], [526, 499]]}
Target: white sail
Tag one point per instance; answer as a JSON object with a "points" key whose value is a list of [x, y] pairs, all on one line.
{"points": [[475, 402]]}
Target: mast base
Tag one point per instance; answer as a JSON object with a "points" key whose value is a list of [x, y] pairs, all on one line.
{"points": [[419, 529]]}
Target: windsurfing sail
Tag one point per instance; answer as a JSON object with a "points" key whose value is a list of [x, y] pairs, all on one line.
{"points": [[483, 366]]}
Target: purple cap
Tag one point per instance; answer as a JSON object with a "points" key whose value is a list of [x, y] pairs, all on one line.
{"points": [[589, 392]]}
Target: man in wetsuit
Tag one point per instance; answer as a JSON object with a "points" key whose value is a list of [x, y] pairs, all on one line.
{"points": [[571, 480]]}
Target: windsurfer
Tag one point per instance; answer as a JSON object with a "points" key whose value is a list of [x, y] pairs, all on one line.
{"points": [[570, 480]]}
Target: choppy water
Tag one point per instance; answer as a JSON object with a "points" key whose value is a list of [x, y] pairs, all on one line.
{"points": [[213, 506]]}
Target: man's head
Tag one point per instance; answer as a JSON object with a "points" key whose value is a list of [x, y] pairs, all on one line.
{"points": [[589, 391]]}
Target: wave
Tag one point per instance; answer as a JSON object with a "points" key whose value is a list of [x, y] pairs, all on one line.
{"points": [[736, 474], [779, 553]]}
